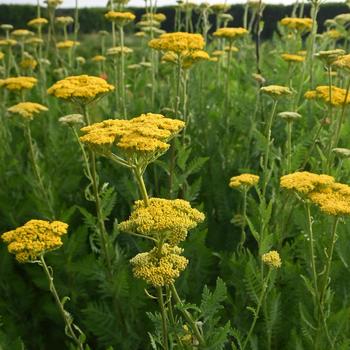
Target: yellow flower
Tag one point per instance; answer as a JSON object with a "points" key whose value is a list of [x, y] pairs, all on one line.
{"points": [[177, 42], [218, 53], [34, 41], [333, 34], [276, 90], [322, 92], [159, 268], [230, 33], [140, 34], [117, 50], [305, 182], [64, 20], [67, 44], [220, 7], [27, 110], [81, 89], [34, 238], [342, 62], [244, 180], [8, 42], [231, 48], [53, 3], [21, 33], [37, 22], [333, 199], [146, 135], [163, 219], [28, 63], [159, 17], [18, 83], [329, 56], [292, 58], [98, 58], [2, 55], [121, 18], [272, 259], [300, 24]]}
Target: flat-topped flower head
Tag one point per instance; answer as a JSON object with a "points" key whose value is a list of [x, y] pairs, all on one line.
{"points": [[34, 238], [159, 268], [37, 22], [304, 182], [177, 42], [276, 91], [18, 83], [299, 24], [2, 55], [231, 33], [163, 219], [272, 259], [329, 56], [333, 199], [342, 63], [159, 17], [333, 34], [28, 62], [341, 152], [187, 58], [98, 58], [143, 137], [80, 89], [8, 42], [288, 57], [67, 44], [289, 116], [53, 3], [217, 8], [21, 33], [343, 18], [244, 181], [64, 20], [72, 120], [120, 18], [118, 50], [27, 110], [337, 98]]}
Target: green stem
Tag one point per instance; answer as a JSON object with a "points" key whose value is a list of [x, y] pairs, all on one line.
{"points": [[188, 317], [122, 72], [139, 178], [65, 315], [164, 318], [289, 147]]}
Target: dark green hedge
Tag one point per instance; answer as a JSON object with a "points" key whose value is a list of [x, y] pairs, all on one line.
{"points": [[92, 20]]}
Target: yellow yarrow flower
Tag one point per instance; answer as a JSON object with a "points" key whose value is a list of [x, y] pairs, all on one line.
{"points": [[2, 55], [230, 33], [322, 92], [98, 58], [64, 20], [118, 50], [333, 199], [272, 259], [299, 24], [304, 182], [18, 83], [343, 63], [80, 89], [292, 58], [28, 63], [163, 219], [146, 136], [121, 18], [159, 17], [34, 238], [27, 110], [67, 44], [177, 42], [8, 42], [21, 33], [159, 268], [333, 34], [244, 180], [276, 90], [37, 22]]}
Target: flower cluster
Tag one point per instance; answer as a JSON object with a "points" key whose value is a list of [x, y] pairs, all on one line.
{"points": [[81, 89], [337, 98], [343, 62], [144, 135], [244, 181], [288, 57], [272, 259], [34, 238], [159, 268], [276, 90], [67, 44], [37, 22], [163, 219], [121, 18], [27, 110], [300, 24], [18, 83], [230, 33]]}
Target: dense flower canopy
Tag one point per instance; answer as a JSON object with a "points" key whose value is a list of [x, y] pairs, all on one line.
{"points": [[336, 98], [244, 180], [27, 110], [18, 83]]}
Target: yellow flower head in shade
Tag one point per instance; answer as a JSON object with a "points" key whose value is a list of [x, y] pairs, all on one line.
{"points": [[98, 58], [304, 182], [37, 22], [64, 20], [159, 17], [144, 136], [34, 41], [34, 238], [299, 24], [121, 18], [2, 55], [329, 56], [21, 33], [18, 83], [27, 110], [272, 259], [186, 57], [80, 89], [217, 8], [159, 268], [244, 180], [333, 34], [28, 63], [322, 92], [292, 58], [53, 3], [67, 44], [118, 50], [333, 199], [166, 220], [177, 42], [231, 33], [8, 42], [343, 63], [276, 91]]}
